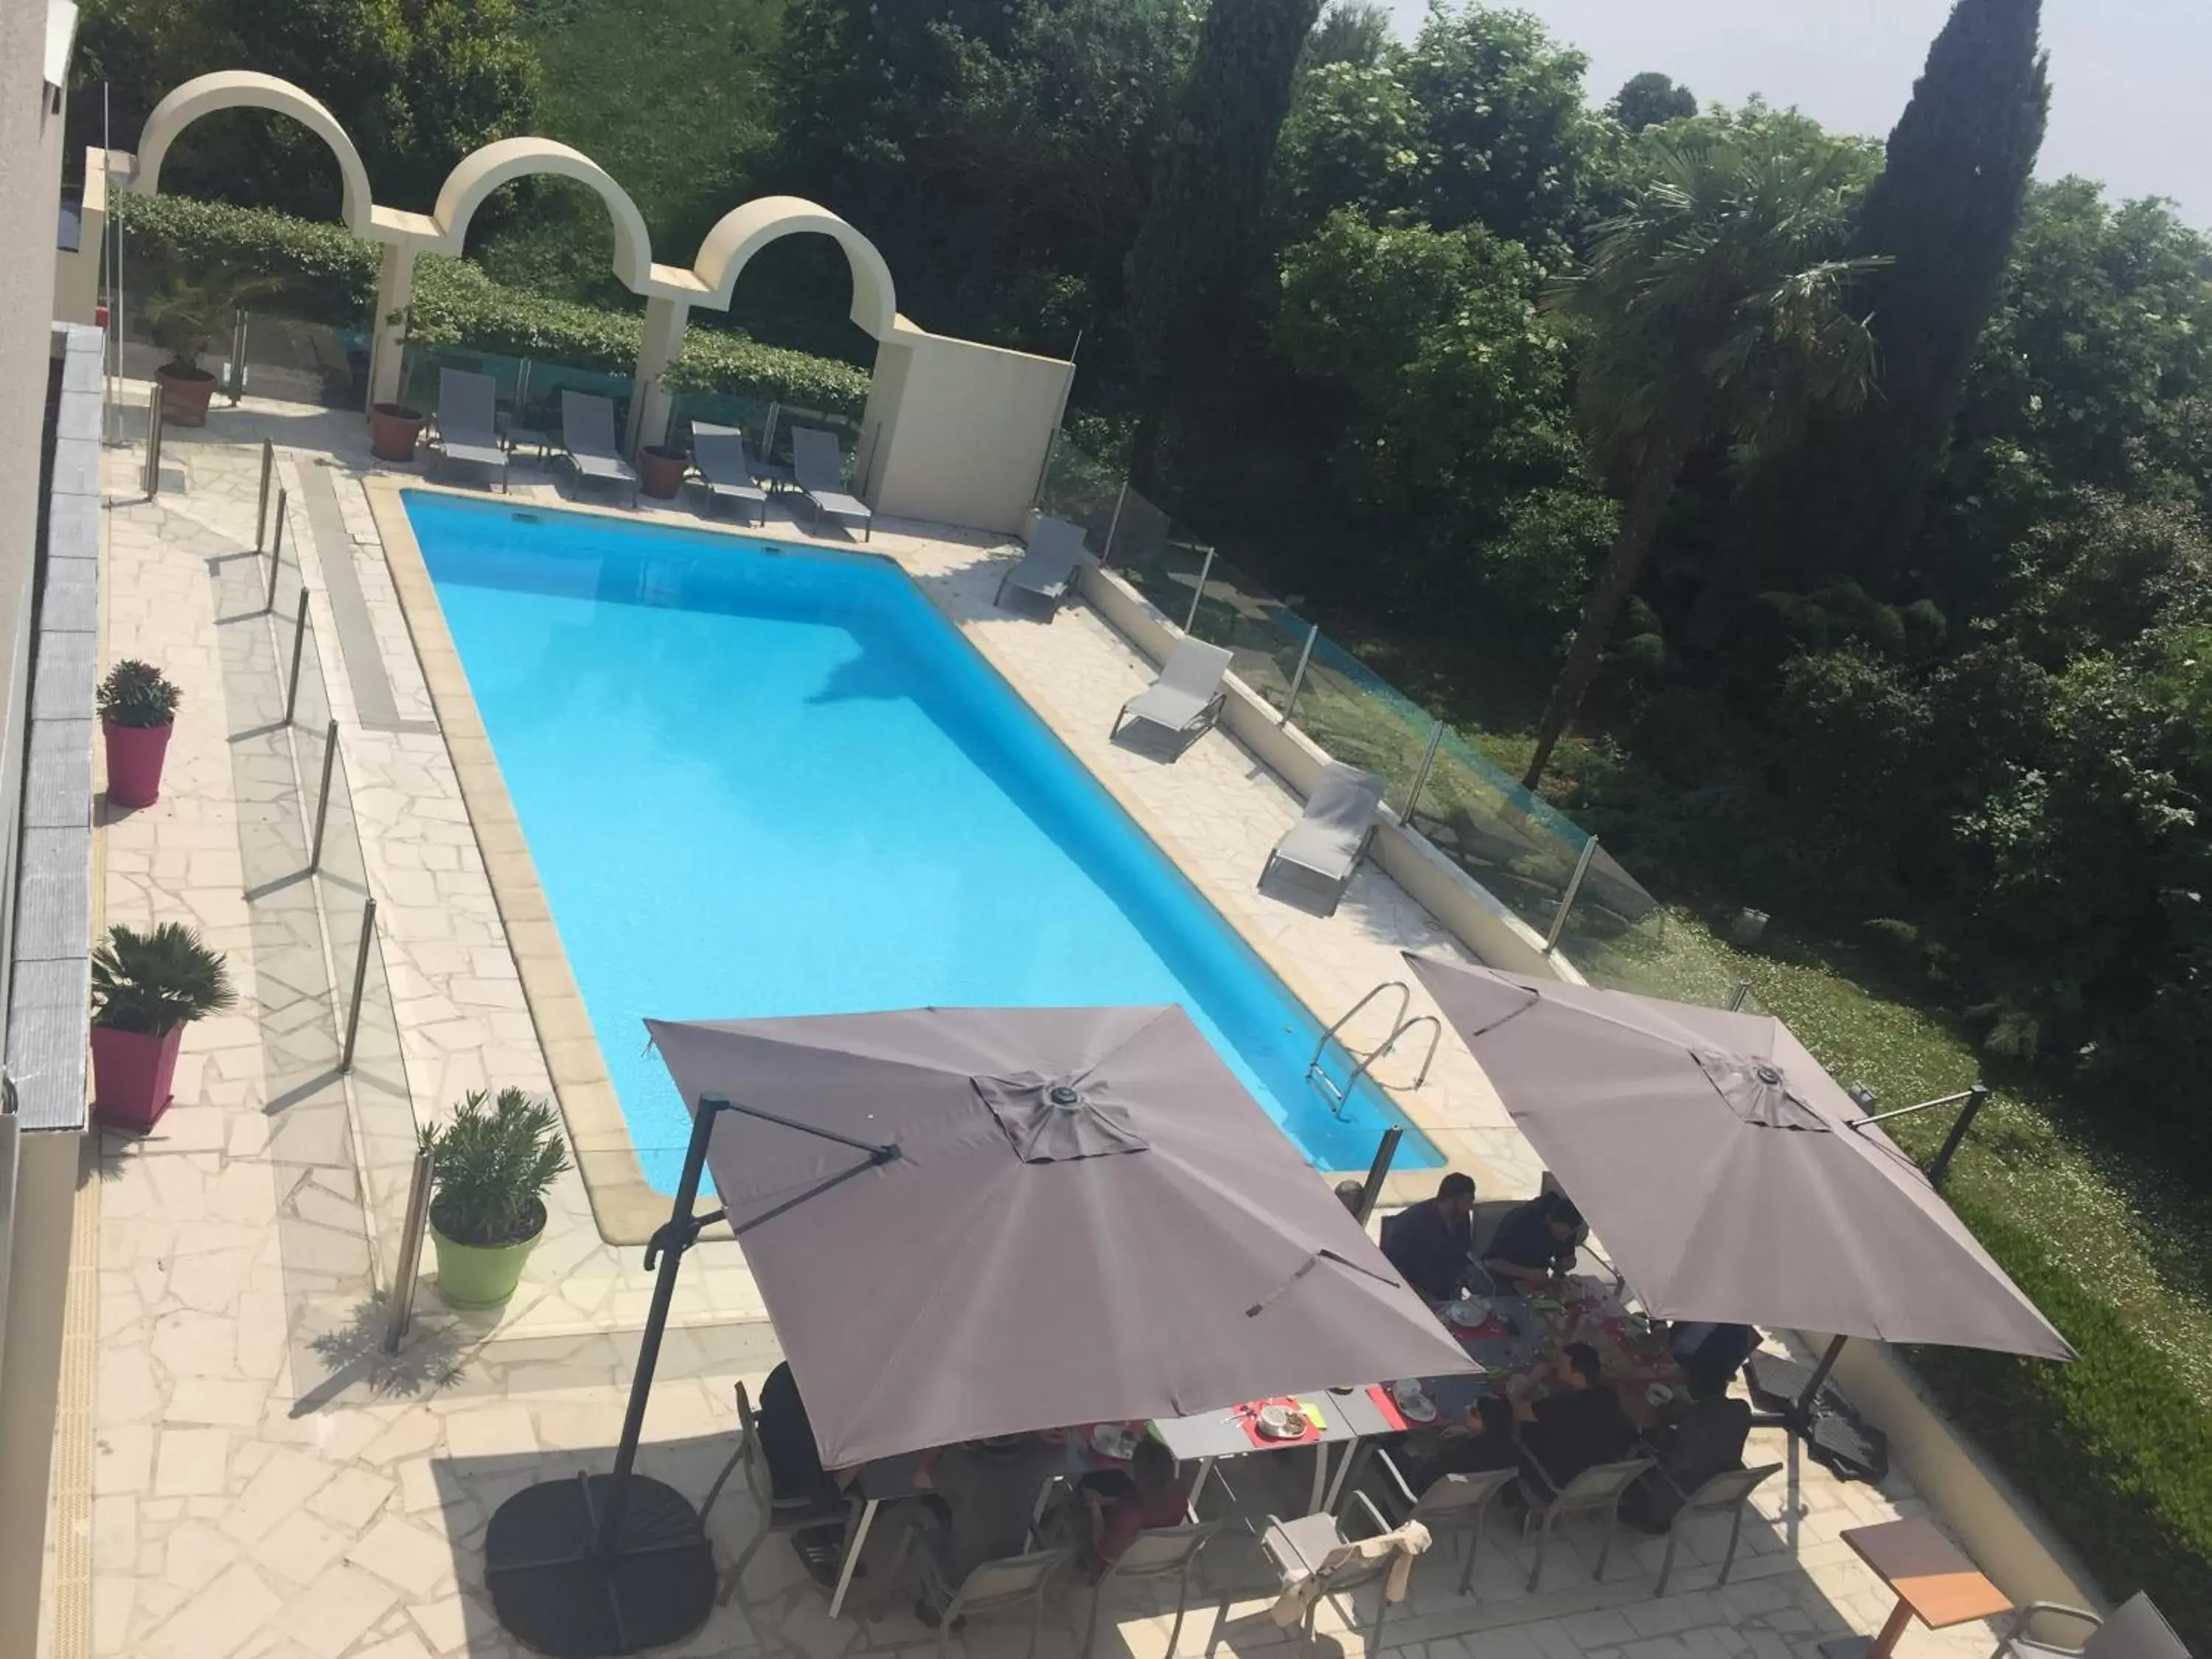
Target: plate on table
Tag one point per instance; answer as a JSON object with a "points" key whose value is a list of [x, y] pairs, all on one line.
{"points": [[1413, 1403], [1658, 1394], [1115, 1440], [1467, 1313], [1280, 1422]]}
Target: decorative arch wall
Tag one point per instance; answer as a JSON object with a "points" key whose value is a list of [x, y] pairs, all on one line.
{"points": [[1005, 404]]}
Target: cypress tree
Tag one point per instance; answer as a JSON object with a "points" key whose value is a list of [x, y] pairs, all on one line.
{"points": [[1943, 211]]}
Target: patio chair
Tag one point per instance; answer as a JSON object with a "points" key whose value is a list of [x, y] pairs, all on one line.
{"points": [[1045, 571], [774, 1514], [587, 439], [1331, 837], [2136, 1630], [1312, 1556], [818, 470], [1186, 700], [1156, 1553], [468, 423], [1730, 1490], [718, 455], [1006, 1585], [1454, 1504], [1597, 1491]]}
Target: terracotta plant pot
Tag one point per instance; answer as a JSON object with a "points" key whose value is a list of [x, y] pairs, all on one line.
{"points": [[660, 471], [480, 1275], [392, 430], [132, 1072], [134, 762], [185, 394]]}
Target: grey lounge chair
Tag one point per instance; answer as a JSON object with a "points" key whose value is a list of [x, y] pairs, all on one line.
{"points": [[2136, 1630], [1452, 1503], [468, 423], [1045, 574], [1328, 842], [1728, 1493], [1597, 1491], [1187, 698], [718, 453], [1159, 1554], [771, 1514], [819, 471], [587, 439]]}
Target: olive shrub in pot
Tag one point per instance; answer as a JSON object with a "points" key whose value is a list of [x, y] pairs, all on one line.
{"points": [[491, 1165]]}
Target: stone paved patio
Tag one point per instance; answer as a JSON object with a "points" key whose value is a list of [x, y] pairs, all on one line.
{"points": [[267, 1485]]}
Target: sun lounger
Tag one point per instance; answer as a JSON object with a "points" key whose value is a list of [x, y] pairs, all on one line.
{"points": [[1328, 842], [1186, 700], [1046, 570], [718, 453], [587, 439], [819, 471], [468, 423]]}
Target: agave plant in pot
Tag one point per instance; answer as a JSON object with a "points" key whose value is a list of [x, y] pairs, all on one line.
{"points": [[491, 1165], [186, 317], [146, 989], [138, 711]]}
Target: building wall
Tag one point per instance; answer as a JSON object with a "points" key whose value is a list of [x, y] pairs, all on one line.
{"points": [[960, 430]]}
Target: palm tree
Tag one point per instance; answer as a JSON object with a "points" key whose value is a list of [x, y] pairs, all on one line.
{"points": [[1712, 306]]}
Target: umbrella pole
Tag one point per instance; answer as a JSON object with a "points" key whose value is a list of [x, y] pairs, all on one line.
{"points": [[563, 1576], [1804, 1406]]}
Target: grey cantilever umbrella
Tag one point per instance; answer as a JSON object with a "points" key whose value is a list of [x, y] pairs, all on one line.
{"points": [[1087, 1219], [1731, 1178]]}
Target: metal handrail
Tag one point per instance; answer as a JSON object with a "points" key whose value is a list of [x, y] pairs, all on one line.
{"points": [[1405, 1007], [1364, 1065]]}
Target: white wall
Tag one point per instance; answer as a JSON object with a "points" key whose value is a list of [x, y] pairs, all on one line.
{"points": [[955, 432]]}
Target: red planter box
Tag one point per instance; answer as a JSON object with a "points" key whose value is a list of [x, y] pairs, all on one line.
{"points": [[132, 1075]]}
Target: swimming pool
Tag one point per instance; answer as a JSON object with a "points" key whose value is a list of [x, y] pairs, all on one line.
{"points": [[760, 779]]}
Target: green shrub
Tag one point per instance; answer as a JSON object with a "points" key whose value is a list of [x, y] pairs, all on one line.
{"points": [[324, 276], [2115, 1448]]}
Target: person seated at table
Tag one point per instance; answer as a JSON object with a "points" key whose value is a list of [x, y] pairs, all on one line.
{"points": [[988, 1491], [1352, 1195], [1483, 1439], [1149, 1496], [1707, 1441], [1713, 1352], [1577, 1426], [1429, 1243], [1535, 1243], [797, 1481]]}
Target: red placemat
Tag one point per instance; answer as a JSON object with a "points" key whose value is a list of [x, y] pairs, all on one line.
{"points": [[1248, 1415], [1388, 1406]]}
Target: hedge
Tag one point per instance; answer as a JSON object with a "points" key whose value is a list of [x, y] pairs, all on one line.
{"points": [[331, 280], [2116, 1448]]}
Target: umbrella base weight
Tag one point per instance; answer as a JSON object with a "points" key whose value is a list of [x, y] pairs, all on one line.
{"points": [[557, 1591]]}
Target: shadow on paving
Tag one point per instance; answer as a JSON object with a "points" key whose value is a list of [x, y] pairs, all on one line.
{"points": [[1770, 1609]]}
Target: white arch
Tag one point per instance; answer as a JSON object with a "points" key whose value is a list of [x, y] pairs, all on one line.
{"points": [[481, 171], [249, 89], [744, 231]]}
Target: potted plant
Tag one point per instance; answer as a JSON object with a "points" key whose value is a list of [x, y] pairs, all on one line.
{"points": [[146, 989], [491, 1164], [661, 470], [186, 317], [392, 430], [138, 711]]}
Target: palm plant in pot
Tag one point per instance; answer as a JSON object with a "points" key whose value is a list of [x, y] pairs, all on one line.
{"points": [[491, 1165], [138, 711], [146, 989], [186, 317]]}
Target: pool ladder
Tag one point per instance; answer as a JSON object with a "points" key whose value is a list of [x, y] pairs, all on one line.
{"points": [[1337, 1095]]}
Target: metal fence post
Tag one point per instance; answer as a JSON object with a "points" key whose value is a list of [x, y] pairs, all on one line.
{"points": [[299, 650], [1567, 898], [360, 982], [1737, 997], [1977, 1094], [154, 419], [276, 553], [261, 508], [1298, 678], [1106, 556], [410, 1253], [1371, 1190], [1198, 594], [322, 800], [1421, 777]]}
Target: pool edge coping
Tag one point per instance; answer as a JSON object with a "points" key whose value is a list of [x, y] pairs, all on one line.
{"points": [[625, 1207]]}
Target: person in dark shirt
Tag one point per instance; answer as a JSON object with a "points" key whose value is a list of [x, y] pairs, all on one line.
{"points": [[1708, 1441], [795, 1473], [1352, 1195], [1151, 1497], [1429, 1243], [990, 1492], [1535, 1243], [1576, 1427], [1483, 1440]]}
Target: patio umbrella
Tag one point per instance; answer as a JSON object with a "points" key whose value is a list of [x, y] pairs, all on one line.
{"points": [[1731, 1177], [1087, 1219]]}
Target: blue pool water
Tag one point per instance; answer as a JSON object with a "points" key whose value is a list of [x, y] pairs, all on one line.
{"points": [[758, 780]]}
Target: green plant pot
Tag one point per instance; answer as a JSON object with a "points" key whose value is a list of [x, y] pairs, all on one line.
{"points": [[480, 1275]]}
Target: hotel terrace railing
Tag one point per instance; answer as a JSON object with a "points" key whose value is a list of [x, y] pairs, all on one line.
{"points": [[1552, 874]]}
